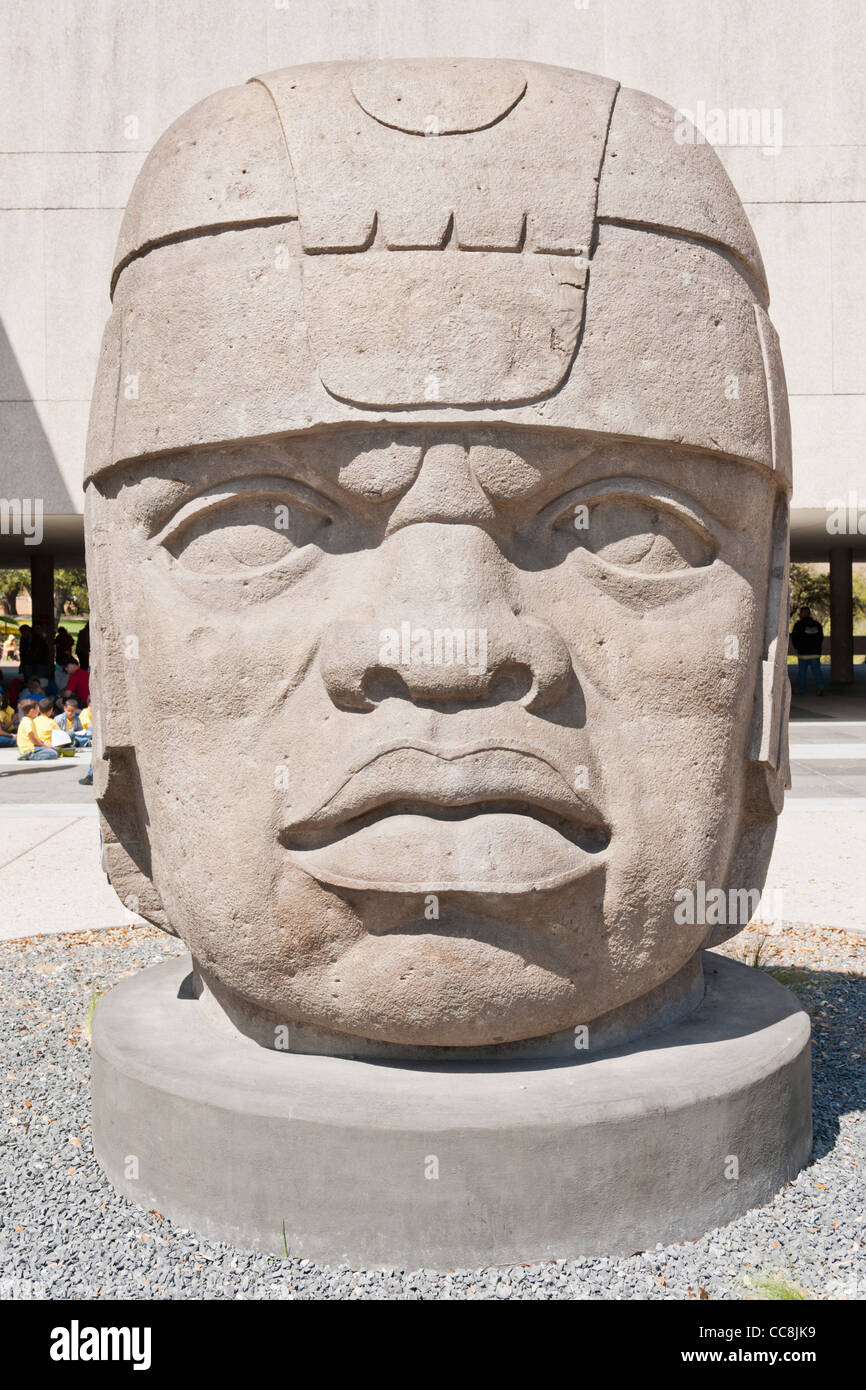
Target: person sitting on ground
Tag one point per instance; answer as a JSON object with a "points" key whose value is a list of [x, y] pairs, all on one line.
{"points": [[71, 723], [807, 637], [47, 726], [30, 742], [45, 720], [68, 719], [87, 721], [85, 738], [13, 694], [78, 683], [33, 690], [8, 721]]}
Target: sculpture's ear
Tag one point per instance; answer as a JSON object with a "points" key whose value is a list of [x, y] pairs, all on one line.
{"points": [[126, 856], [767, 772], [768, 743]]}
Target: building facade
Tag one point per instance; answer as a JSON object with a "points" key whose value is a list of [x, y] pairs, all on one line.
{"points": [[89, 85]]}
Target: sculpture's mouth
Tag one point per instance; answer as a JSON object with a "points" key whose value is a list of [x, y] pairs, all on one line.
{"points": [[476, 821]]}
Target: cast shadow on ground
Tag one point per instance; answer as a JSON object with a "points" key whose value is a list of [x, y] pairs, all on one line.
{"points": [[836, 1003]]}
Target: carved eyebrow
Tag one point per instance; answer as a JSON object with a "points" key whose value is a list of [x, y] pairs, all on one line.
{"points": [[172, 519], [287, 462], [675, 501]]}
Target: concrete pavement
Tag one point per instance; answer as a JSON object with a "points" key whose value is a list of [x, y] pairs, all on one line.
{"points": [[818, 867], [50, 879]]}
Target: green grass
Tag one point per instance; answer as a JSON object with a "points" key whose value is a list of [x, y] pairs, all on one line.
{"points": [[95, 996], [272, 1259], [775, 1285], [9, 624], [757, 962], [792, 976], [73, 625]]}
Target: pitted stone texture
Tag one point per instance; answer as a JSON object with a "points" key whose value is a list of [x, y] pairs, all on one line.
{"points": [[469, 498], [450, 97], [355, 176], [439, 685], [462, 338], [236, 342], [418, 275], [222, 163], [660, 173]]}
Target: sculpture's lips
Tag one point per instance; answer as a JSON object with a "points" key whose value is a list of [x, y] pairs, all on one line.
{"points": [[492, 820]]}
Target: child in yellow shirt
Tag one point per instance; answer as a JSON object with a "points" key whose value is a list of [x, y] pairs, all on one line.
{"points": [[7, 724], [31, 738], [44, 721]]}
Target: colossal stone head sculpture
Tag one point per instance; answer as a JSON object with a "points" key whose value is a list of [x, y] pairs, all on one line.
{"points": [[437, 526]]}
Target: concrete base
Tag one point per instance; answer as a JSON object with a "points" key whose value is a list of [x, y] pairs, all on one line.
{"points": [[459, 1164]]}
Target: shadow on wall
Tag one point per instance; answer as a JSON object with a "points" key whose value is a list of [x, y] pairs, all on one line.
{"points": [[29, 472]]}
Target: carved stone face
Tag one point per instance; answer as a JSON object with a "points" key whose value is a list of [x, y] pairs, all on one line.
{"points": [[414, 728], [432, 725]]}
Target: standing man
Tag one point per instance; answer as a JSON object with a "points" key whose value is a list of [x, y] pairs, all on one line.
{"points": [[807, 636]]}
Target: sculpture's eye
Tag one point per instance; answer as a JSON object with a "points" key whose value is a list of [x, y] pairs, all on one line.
{"points": [[639, 534], [232, 532]]}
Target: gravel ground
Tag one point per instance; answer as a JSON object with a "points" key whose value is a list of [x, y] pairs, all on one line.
{"points": [[65, 1234]]}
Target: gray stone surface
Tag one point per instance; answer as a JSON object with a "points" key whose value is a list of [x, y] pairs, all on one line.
{"points": [[511, 677], [465, 476], [451, 1165]]}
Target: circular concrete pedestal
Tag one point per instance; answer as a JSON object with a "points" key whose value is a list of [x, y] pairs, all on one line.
{"points": [[461, 1164]]}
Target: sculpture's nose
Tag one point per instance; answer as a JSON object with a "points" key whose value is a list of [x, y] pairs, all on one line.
{"points": [[446, 628]]}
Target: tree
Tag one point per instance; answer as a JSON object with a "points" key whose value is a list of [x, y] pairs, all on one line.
{"points": [[11, 584], [70, 586], [810, 588]]}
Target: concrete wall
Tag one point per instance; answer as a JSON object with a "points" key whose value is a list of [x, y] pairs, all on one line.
{"points": [[86, 86]]}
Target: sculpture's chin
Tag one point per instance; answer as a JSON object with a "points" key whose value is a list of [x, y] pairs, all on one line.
{"points": [[469, 983], [451, 988], [417, 990]]}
